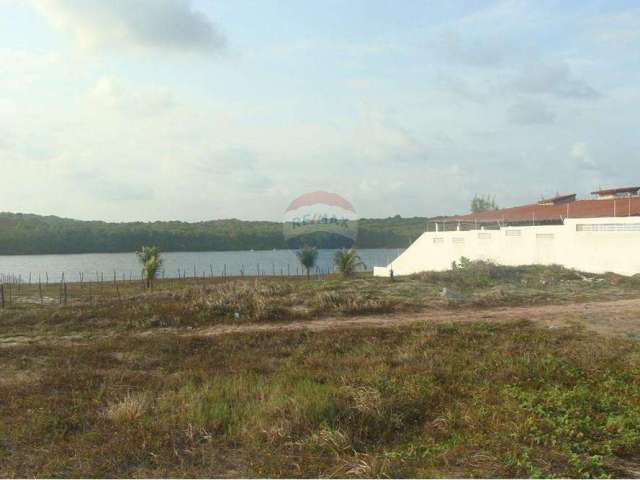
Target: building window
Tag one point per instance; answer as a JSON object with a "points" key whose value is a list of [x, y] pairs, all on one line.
{"points": [[545, 236], [458, 241], [513, 233], [484, 236], [438, 240], [608, 227]]}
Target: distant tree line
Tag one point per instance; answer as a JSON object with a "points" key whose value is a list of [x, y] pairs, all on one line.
{"points": [[35, 234], [483, 203]]}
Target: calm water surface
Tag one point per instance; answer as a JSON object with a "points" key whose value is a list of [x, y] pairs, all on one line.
{"points": [[125, 265]]}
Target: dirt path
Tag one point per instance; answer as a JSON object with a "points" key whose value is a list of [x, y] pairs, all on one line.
{"points": [[617, 318]]}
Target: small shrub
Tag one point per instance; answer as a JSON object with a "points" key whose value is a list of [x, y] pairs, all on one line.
{"points": [[347, 262]]}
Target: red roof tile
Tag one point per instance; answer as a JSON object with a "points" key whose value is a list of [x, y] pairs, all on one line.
{"points": [[624, 207]]}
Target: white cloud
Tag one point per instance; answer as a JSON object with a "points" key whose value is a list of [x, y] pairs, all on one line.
{"points": [[20, 69], [135, 24], [582, 157], [476, 52], [463, 87], [530, 113], [417, 131], [619, 29], [377, 139], [553, 79], [112, 93]]}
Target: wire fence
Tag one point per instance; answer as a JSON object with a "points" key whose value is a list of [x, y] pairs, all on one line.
{"points": [[46, 289]]}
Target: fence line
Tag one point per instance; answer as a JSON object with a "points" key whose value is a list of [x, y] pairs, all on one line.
{"points": [[272, 269], [19, 289]]}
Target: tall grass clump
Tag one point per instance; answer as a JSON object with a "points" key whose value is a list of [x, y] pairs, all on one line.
{"points": [[347, 262], [307, 256], [151, 262], [132, 407]]}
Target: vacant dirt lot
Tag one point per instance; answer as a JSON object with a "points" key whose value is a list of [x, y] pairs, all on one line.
{"points": [[620, 318], [613, 318], [534, 372]]}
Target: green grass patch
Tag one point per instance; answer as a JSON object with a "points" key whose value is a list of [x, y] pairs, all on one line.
{"points": [[429, 400]]}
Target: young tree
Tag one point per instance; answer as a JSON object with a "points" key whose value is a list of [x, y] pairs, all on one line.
{"points": [[307, 257], [483, 204], [347, 261], [151, 262]]}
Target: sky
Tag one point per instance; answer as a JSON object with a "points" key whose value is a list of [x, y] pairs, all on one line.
{"points": [[126, 110]]}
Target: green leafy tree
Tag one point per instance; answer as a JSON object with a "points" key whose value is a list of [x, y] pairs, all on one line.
{"points": [[481, 204], [151, 262], [307, 256], [348, 261]]}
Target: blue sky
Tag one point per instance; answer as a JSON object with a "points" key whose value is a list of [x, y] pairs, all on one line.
{"points": [[191, 110]]}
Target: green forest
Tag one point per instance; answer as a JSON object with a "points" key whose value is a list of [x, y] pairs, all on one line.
{"points": [[26, 234]]}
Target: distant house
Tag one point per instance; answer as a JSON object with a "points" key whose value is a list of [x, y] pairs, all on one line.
{"points": [[594, 235], [623, 202]]}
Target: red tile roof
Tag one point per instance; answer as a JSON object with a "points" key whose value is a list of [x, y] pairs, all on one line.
{"points": [[624, 207]]}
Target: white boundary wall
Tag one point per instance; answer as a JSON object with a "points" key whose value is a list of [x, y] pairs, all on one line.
{"points": [[596, 245]]}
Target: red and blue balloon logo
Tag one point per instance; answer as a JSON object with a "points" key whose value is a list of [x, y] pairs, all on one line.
{"points": [[317, 214]]}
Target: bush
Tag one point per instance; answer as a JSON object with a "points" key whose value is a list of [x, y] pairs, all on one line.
{"points": [[467, 274]]}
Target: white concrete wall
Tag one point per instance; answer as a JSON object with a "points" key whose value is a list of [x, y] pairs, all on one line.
{"points": [[597, 245]]}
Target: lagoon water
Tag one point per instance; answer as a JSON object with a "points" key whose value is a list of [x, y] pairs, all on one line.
{"points": [[125, 265]]}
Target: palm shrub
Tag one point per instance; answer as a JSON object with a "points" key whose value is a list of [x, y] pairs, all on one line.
{"points": [[151, 262], [307, 256], [347, 261]]}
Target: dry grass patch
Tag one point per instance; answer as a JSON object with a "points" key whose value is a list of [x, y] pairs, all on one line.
{"points": [[426, 400], [129, 409], [190, 304]]}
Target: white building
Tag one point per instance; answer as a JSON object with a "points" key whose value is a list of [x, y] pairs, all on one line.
{"points": [[600, 235]]}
